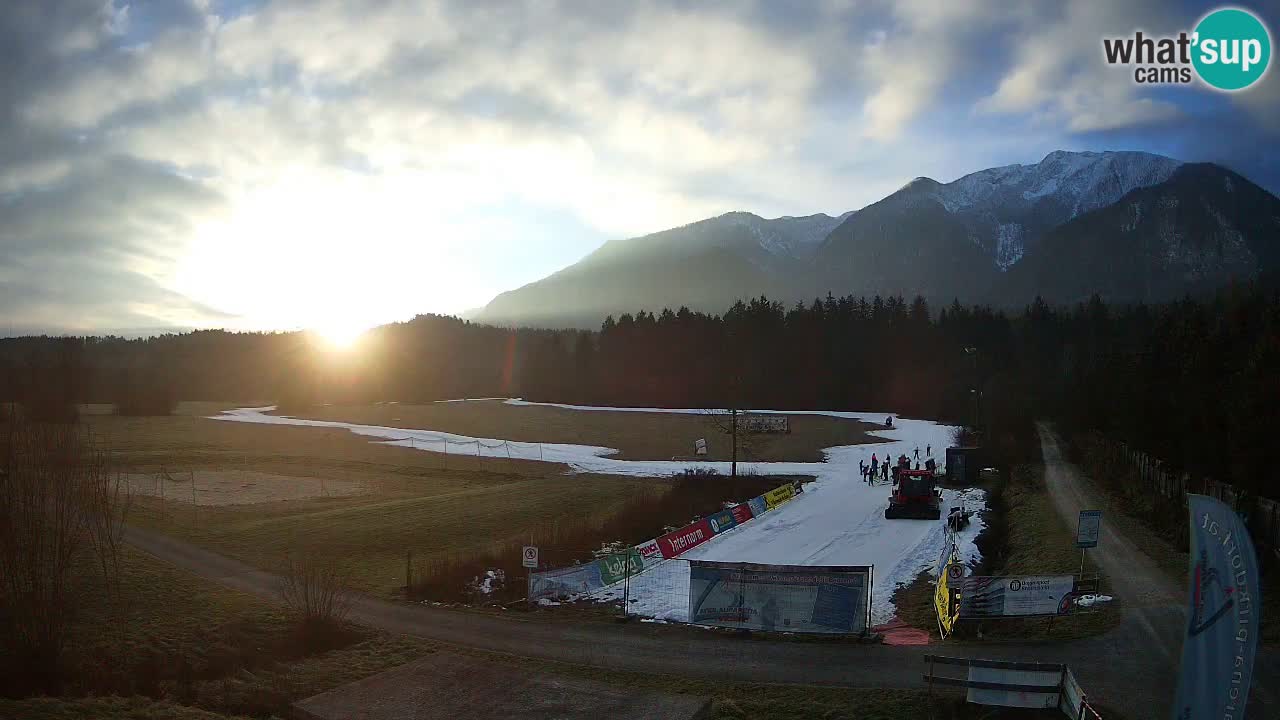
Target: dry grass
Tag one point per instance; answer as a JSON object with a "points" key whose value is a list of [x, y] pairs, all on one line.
{"points": [[410, 500], [236, 487], [185, 641], [636, 435], [448, 516], [103, 708]]}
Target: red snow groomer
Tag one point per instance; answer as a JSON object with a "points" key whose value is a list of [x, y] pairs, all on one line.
{"points": [[915, 494]]}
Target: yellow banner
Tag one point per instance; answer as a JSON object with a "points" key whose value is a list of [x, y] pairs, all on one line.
{"points": [[942, 601], [779, 495]]}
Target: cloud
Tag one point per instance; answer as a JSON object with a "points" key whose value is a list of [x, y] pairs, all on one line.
{"points": [[90, 251], [1058, 74], [187, 160], [928, 46]]}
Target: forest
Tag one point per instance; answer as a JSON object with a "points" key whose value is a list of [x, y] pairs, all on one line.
{"points": [[1194, 382]]}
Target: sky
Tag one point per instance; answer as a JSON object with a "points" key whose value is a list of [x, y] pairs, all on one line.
{"points": [[336, 165]]}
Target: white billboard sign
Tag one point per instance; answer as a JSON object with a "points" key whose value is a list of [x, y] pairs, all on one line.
{"points": [[1089, 528]]}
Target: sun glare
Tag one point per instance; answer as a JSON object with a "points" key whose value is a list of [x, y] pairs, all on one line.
{"points": [[340, 336]]}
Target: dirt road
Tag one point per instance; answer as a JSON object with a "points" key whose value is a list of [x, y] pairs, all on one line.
{"points": [[1154, 617], [1130, 668]]}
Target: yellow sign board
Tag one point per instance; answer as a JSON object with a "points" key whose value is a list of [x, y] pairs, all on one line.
{"points": [[779, 495]]}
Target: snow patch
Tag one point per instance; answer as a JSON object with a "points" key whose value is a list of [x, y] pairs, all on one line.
{"points": [[1009, 246]]}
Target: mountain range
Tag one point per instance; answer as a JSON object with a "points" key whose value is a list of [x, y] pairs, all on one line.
{"points": [[1128, 226]]}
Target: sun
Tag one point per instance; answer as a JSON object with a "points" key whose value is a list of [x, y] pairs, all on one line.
{"points": [[340, 335]]}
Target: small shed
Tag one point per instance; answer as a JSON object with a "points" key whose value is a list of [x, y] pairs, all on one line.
{"points": [[963, 464]]}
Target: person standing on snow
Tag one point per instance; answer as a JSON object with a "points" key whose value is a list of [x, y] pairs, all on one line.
{"points": [[928, 450], [917, 452]]}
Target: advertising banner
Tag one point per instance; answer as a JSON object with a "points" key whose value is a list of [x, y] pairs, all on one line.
{"points": [[1222, 629], [942, 605], [566, 582], [650, 553], [758, 506], [779, 495], [764, 423], [689, 536], [613, 568], [783, 598], [721, 521], [1022, 596], [741, 513]]}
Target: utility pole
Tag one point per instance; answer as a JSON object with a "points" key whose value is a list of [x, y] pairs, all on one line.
{"points": [[733, 415], [626, 583]]}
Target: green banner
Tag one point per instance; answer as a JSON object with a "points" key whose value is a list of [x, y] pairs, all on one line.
{"points": [[613, 568]]}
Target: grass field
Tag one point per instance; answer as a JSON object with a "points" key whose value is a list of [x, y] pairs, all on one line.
{"points": [[443, 511], [191, 647], [177, 638], [637, 436]]}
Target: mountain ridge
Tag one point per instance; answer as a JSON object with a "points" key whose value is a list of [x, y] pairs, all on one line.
{"points": [[965, 239]]}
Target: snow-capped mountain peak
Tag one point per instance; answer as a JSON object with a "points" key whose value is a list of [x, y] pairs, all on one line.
{"points": [[1080, 181], [1006, 207], [787, 236]]}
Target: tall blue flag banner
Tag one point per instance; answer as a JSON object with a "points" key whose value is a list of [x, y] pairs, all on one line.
{"points": [[1222, 617]]}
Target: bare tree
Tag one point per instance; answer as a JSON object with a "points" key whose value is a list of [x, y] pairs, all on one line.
{"points": [[315, 590], [743, 441], [62, 510]]}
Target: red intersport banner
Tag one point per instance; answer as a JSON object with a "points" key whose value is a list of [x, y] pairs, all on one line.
{"points": [[689, 536], [741, 513]]}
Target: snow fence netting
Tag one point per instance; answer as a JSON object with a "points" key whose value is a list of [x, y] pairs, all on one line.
{"points": [[588, 579]]}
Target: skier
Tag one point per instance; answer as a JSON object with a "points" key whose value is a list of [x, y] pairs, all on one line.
{"points": [[917, 452], [928, 450], [862, 468], [886, 469], [873, 459]]}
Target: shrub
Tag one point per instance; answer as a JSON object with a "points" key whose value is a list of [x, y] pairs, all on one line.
{"points": [[316, 592]]}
